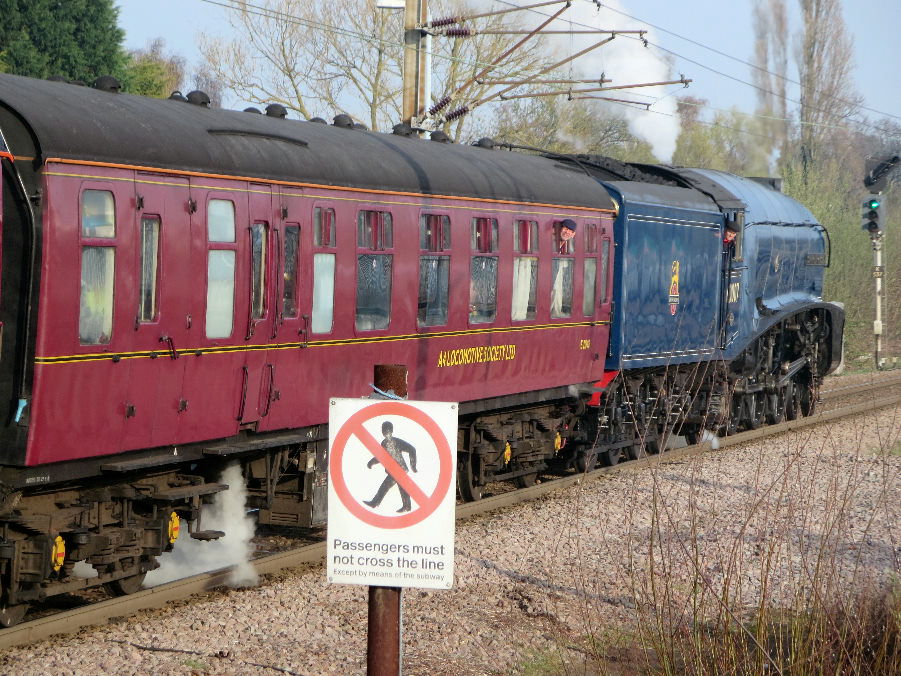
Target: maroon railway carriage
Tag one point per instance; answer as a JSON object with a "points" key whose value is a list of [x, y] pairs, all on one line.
{"points": [[182, 286]]}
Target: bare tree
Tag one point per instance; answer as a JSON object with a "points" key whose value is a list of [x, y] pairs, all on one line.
{"points": [[312, 57], [824, 55]]}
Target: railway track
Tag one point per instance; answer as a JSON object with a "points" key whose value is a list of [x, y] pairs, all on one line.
{"points": [[70, 621]]}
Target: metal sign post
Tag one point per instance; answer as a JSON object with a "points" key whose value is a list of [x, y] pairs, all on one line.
{"points": [[391, 503]]}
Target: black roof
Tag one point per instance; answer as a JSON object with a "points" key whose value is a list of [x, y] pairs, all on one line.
{"points": [[76, 122]]}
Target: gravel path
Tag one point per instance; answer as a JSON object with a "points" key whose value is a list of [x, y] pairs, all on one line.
{"points": [[534, 581]]}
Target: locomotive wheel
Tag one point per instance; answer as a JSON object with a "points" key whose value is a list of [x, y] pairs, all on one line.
{"points": [[466, 482], [586, 460], [807, 399], [754, 404], [610, 457], [637, 450], [775, 407], [125, 585], [12, 615], [792, 400]]}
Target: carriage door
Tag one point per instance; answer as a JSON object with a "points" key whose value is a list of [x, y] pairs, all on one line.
{"points": [[260, 252], [161, 311]]}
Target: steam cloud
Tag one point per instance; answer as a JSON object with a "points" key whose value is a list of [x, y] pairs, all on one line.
{"points": [[625, 61], [191, 557]]}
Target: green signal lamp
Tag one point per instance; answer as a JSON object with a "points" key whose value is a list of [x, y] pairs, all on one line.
{"points": [[873, 204]]}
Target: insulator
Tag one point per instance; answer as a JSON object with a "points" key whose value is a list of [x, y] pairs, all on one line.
{"points": [[454, 114], [444, 22], [458, 32], [439, 105]]}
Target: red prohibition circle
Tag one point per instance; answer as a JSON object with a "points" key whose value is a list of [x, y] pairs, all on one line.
{"points": [[351, 427]]}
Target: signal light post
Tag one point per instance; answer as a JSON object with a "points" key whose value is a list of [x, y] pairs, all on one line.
{"points": [[872, 223]]}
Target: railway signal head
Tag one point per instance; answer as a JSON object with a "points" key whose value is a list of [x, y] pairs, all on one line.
{"points": [[873, 215]]}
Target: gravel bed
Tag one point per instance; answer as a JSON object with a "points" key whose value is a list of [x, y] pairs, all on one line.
{"points": [[537, 579]]}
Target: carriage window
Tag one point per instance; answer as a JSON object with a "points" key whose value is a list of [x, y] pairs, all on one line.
{"points": [[221, 221], [374, 233], [525, 288], [434, 232], [220, 287], [98, 214], [323, 227], [289, 295], [150, 244], [220, 293], [323, 292], [484, 235], [258, 240], [590, 281], [375, 230], [562, 288], [95, 320], [525, 236], [434, 273], [434, 270], [605, 262], [373, 291], [483, 289], [591, 238]]}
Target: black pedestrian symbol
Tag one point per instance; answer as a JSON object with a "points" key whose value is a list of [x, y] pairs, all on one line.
{"points": [[395, 448]]}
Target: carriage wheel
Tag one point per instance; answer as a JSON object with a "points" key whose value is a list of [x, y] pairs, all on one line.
{"points": [[125, 585], [610, 457], [526, 480], [586, 460], [466, 481], [792, 400], [12, 615]]}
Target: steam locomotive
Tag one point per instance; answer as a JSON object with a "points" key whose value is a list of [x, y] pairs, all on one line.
{"points": [[183, 287]]}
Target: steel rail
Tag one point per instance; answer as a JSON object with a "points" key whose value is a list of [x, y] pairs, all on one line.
{"points": [[70, 621]]}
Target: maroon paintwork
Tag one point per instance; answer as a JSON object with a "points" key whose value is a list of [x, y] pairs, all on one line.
{"points": [[80, 404]]}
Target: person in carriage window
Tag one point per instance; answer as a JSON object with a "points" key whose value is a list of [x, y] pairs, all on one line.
{"points": [[567, 232]]}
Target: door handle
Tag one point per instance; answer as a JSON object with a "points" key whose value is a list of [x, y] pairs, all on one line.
{"points": [[173, 353]]}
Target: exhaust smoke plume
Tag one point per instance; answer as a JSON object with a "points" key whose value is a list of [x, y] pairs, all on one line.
{"points": [[625, 61], [191, 557]]}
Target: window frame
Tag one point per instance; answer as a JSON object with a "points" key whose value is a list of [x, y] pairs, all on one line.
{"points": [[155, 315], [328, 249], [95, 242], [439, 246], [217, 245], [381, 243]]}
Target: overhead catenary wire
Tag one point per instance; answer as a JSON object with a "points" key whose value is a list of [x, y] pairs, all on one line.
{"points": [[889, 133]]}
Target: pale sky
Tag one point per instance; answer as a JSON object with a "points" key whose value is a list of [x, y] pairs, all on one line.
{"points": [[723, 25]]}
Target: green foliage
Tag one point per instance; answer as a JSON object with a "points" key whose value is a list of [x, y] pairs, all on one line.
{"points": [[78, 39], [152, 72], [732, 141]]}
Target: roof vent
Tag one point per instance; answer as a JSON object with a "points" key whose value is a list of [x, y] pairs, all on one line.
{"points": [[361, 126], [199, 98], [440, 137], [344, 121], [485, 142], [318, 119], [276, 110], [177, 96], [403, 129], [251, 109], [107, 83]]}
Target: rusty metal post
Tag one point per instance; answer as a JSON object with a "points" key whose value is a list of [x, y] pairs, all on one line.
{"points": [[384, 638]]}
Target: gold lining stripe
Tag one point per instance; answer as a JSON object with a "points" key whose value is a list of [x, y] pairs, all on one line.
{"points": [[299, 184], [224, 349]]}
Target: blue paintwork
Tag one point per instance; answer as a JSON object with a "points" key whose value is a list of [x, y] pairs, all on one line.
{"points": [[772, 278], [655, 227]]}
